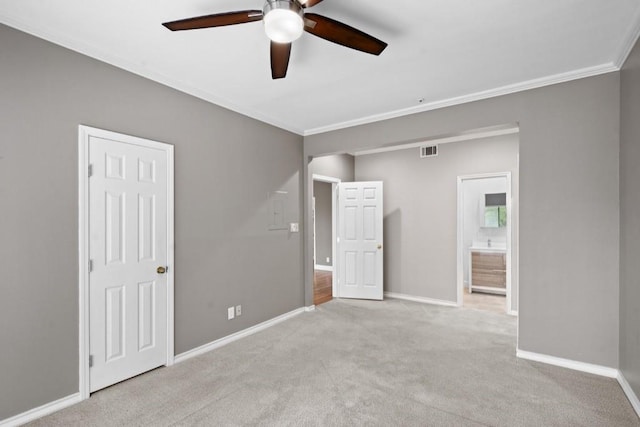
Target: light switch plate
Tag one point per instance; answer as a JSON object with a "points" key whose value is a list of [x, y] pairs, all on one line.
{"points": [[293, 227], [231, 313]]}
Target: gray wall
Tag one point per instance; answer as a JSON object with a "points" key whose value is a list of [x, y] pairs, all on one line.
{"points": [[630, 221], [420, 209], [322, 193], [339, 166], [226, 164], [569, 204]]}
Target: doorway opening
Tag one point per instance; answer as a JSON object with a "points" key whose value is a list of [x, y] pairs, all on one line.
{"points": [[324, 238], [485, 242]]}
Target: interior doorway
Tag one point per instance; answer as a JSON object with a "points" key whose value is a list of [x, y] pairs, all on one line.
{"points": [[324, 238], [485, 242]]}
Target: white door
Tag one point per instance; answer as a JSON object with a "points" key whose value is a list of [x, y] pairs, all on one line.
{"points": [[360, 240], [128, 250]]}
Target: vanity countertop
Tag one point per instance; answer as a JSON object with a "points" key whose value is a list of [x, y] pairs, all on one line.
{"points": [[493, 249]]}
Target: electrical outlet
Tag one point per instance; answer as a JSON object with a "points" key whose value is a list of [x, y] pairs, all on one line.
{"points": [[293, 227], [230, 313], [238, 310], [328, 259]]}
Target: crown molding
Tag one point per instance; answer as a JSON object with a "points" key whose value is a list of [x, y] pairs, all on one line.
{"points": [[91, 51], [444, 140], [477, 96]]}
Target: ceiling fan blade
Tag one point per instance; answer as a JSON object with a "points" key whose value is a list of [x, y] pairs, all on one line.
{"points": [[309, 3], [215, 20], [342, 34], [280, 53]]}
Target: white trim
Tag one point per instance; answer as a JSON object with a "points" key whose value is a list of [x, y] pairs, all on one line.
{"points": [[423, 300], [334, 228], [323, 267], [629, 41], [83, 257], [512, 313], [324, 178], [313, 215], [590, 368], [460, 240], [335, 263], [237, 335], [477, 96], [457, 138], [41, 411], [59, 404], [84, 133], [109, 58], [633, 398], [86, 49], [171, 275]]}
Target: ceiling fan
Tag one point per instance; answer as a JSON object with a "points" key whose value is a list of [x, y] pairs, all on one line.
{"points": [[284, 22]]}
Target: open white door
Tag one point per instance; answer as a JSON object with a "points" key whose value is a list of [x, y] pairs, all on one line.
{"points": [[128, 249], [360, 240]]}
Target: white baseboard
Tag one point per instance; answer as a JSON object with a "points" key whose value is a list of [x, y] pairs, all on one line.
{"points": [[586, 367], [633, 398], [604, 371], [420, 299], [236, 336], [513, 313], [310, 308], [323, 267], [41, 411], [57, 405]]}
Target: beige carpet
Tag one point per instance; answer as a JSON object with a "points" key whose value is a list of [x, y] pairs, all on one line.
{"points": [[363, 363]]}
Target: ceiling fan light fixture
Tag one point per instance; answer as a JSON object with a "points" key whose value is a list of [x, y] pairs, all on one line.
{"points": [[283, 20]]}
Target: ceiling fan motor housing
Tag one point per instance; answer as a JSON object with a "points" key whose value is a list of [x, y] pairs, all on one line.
{"points": [[283, 20]]}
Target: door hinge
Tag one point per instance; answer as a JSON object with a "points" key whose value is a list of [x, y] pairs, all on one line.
{"points": [[90, 170], [90, 265], [91, 360]]}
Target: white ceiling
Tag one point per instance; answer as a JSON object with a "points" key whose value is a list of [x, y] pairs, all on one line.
{"points": [[441, 52]]}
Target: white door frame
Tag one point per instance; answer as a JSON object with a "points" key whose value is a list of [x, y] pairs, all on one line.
{"points": [[84, 133], [334, 216], [313, 212], [460, 245]]}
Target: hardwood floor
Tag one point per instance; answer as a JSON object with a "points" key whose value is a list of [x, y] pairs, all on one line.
{"points": [[322, 287]]}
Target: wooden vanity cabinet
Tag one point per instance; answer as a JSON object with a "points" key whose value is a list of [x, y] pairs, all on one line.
{"points": [[488, 271]]}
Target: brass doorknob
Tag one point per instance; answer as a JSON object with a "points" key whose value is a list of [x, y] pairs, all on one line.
{"points": [[161, 270]]}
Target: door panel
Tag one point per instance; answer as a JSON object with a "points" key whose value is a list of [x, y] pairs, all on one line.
{"points": [[146, 314], [360, 240], [146, 227], [114, 322], [114, 224], [128, 242]]}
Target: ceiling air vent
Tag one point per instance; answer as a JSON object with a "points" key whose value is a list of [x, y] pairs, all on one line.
{"points": [[429, 151]]}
